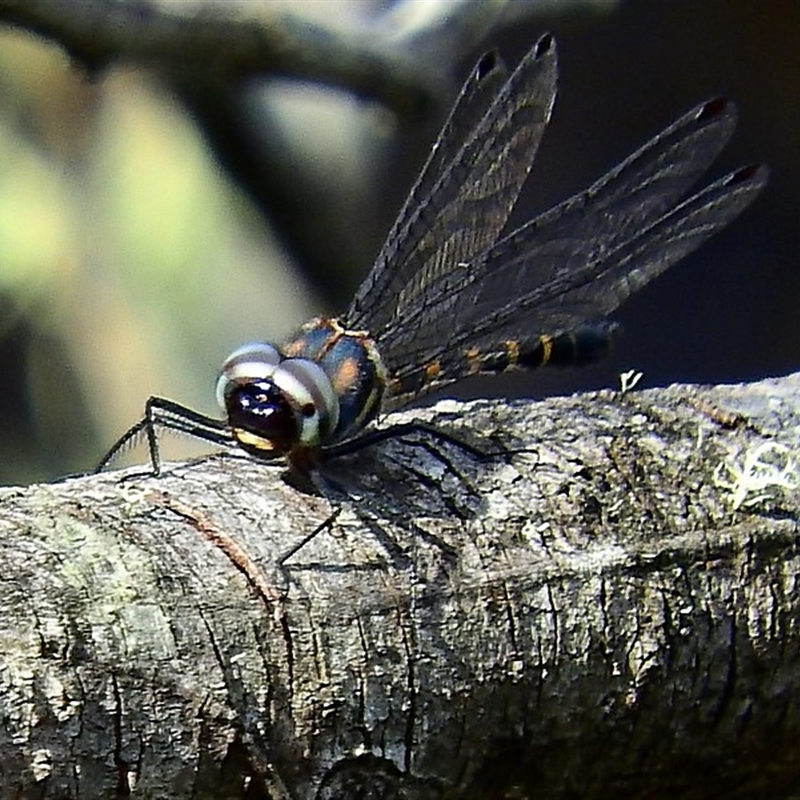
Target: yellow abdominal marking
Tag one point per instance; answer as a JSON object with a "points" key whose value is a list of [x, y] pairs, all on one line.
{"points": [[512, 349], [547, 348], [433, 370], [473, 359]]}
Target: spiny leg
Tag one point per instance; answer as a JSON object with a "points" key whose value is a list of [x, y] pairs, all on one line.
{"points": [[324, 488], [405, 429], [281, 560], [163, 413], [379, 435]]}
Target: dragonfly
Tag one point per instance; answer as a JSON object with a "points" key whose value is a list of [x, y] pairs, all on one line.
{"points": [[453, 294]]}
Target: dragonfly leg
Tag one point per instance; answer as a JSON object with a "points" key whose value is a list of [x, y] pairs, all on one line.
{"points": [[376, 436], [162, 413]]}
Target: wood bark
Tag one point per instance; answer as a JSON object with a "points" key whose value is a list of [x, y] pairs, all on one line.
{"points": [[606, 605]]}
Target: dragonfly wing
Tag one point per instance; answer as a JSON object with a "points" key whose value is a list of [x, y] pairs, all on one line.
{"points": [[645, 256], [565, 246], [465, 194], [574, 297]]}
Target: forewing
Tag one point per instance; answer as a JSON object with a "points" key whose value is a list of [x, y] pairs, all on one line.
{"points": [[472, 103], [462, 200]]}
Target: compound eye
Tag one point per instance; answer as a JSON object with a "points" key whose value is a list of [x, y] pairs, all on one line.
{"points": [[261, 416], [249, 363]]}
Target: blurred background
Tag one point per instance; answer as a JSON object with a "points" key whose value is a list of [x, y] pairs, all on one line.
{"points": [[152, 222]]}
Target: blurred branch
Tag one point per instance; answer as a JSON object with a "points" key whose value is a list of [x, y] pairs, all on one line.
{"points": [[231, 41], [458, 26], [214, 55], [399, 58]]}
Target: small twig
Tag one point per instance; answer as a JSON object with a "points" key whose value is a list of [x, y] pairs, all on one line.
{"points": [[237, 554]]}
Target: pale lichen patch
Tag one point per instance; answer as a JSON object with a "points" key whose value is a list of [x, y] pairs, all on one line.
{"points": [[763, 474]]}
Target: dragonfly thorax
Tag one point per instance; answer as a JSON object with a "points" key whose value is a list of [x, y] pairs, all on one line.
{"points": [[276, 404], [354, 367]]}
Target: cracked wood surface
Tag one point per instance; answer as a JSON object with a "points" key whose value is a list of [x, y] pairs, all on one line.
{"points": [[586, 614]]}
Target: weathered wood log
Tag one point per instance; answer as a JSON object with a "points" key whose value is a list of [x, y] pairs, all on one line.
{"points": [[606, 606]]}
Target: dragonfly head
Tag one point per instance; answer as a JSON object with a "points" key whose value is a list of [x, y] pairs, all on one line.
{"points": [[274, 404], [261, 417]]}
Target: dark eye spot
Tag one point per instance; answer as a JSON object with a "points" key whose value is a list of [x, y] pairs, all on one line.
{"points": [[308, 410]]}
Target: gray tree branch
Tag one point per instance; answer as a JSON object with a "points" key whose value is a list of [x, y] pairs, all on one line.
{"points": [[606, 606]]}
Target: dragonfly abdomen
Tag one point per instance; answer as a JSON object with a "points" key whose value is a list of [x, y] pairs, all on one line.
{"points": [[577, 348], [573, 349]]}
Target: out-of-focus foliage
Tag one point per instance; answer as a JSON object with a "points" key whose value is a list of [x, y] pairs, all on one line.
{"points": [[130, 265]]}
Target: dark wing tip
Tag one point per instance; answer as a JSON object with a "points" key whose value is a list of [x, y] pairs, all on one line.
{"points": [[757, 174], [487, 64], [490, 61], [715, 107], [545, 44]]}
